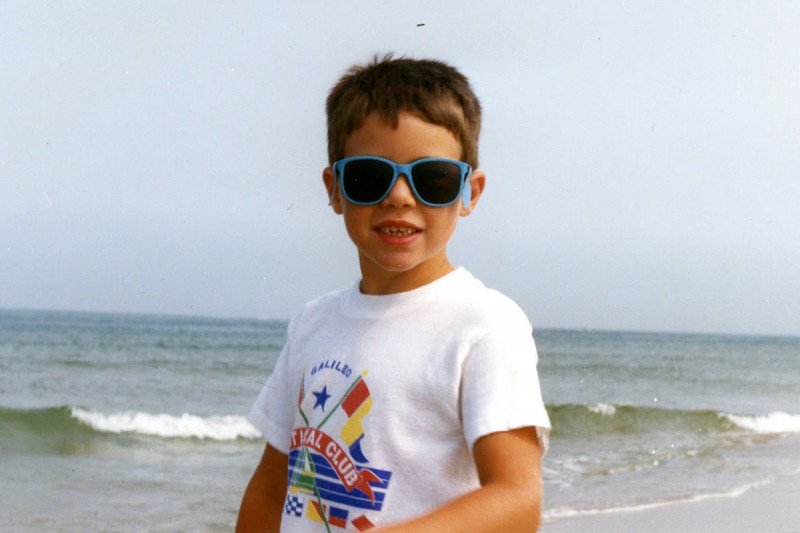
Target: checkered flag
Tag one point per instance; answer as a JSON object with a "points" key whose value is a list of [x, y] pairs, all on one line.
{"points": [[294, 506]]}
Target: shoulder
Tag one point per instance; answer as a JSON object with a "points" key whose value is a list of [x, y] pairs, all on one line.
{"points": [[489, 306], [326, 301], [317, 310]]}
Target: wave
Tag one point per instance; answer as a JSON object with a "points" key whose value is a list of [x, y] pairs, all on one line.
{"points": [[603, 409], [778, 422], [568, 512], [584, 421], [569, 421], [168, 426], [67, 422]]}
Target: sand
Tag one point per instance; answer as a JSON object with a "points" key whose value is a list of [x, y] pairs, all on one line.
{"points": [[773, 507]]}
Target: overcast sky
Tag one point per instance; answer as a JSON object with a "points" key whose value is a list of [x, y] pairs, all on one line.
{"points": [[643, 158]]}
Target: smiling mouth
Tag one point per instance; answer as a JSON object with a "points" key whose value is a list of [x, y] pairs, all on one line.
{"points": [[398, 231]]}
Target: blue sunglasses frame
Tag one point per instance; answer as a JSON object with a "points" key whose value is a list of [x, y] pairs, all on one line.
{"points": [[407, 170]]}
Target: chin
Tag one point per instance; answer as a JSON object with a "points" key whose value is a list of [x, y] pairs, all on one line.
{"points": [[397, 265], [402, 267]]}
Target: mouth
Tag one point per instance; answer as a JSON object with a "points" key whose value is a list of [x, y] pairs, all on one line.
{"points": [[397, 229]]}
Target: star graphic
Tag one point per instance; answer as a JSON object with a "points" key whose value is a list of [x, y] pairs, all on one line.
{"points": [[322, 397]]}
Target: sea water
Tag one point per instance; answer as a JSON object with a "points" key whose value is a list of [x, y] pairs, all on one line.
{"points": [[136, 423]]}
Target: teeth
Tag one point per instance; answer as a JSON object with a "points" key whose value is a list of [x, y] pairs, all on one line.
{"points": [[397, 232]]}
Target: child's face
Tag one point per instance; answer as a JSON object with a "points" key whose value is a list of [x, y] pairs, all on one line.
{"points": [[401, 242]]}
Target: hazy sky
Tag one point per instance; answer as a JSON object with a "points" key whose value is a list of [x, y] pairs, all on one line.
{"points": [[643, 158]]}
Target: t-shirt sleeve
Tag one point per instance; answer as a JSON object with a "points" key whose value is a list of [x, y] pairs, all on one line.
{"points": [[271, 413], [500, 384]]}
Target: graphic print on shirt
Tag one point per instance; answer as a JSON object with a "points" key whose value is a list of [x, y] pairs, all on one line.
{"points": [[331, 481]]}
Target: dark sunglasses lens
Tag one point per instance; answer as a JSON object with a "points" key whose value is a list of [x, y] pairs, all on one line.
{"points": [[366, 180], [437, 182]]}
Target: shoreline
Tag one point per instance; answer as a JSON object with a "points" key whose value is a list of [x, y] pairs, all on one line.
{"points": [[768, 506]]}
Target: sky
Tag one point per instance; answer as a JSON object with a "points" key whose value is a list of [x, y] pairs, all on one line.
{"points": [[643, 170]]}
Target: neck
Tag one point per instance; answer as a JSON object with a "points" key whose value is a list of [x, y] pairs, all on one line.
{"points": [[379, 282]]}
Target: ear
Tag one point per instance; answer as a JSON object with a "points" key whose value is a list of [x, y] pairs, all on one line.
{"points": [[334, 194], [477, 181]]}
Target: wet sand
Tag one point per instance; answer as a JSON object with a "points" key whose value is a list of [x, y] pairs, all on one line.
{"points": [[773, 507]]}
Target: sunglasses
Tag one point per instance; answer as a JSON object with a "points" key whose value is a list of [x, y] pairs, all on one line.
{"points": [[436, 182]]}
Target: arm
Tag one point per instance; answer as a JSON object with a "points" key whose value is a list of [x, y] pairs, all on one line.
{"points": [[510, 496], [262, 504]]}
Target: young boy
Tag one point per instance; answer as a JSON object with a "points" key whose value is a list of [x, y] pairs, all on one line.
{"points": [[410, 401]]}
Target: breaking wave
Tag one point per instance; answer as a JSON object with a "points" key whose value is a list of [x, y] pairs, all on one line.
{"points": [[67, 422], [585, 421], [169, 426]]}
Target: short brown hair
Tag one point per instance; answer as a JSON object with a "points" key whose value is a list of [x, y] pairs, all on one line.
{"points": [[431, 89]]}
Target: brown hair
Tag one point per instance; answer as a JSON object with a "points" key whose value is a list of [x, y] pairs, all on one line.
{"points": [[430, 89]]}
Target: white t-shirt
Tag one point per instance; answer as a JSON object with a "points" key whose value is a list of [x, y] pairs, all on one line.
{"points": [[378, 400]]}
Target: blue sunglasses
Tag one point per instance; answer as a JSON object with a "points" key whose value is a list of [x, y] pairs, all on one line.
{"points": [[436, 182]]}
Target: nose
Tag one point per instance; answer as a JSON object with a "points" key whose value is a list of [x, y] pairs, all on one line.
{"points": [[401, 194]]}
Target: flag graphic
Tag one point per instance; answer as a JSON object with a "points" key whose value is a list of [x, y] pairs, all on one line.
{"points": [[356, 404], [342, 489], [294, 506], [338, 517], [302, 389], [316, 512], [362, 523], [329, 477], [303, 478]]}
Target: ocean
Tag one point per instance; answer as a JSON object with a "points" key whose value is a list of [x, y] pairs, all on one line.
{"points": [[113, 422]]}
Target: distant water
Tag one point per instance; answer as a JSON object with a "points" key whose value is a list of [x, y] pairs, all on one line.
{"points": [[136, 423]]}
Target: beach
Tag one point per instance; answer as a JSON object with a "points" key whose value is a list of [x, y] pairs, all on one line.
{"points": [[113, 422], [773, 507]]}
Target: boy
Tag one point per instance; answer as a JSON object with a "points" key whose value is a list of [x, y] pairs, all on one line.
{"points": [[409, 402]]}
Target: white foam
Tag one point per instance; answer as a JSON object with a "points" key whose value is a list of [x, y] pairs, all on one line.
{"points": [[567, 512], [162, 425], [604, 409], [778, 422]]}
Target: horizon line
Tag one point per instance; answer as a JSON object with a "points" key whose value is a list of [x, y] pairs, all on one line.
{"points": [[585, 329]]}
